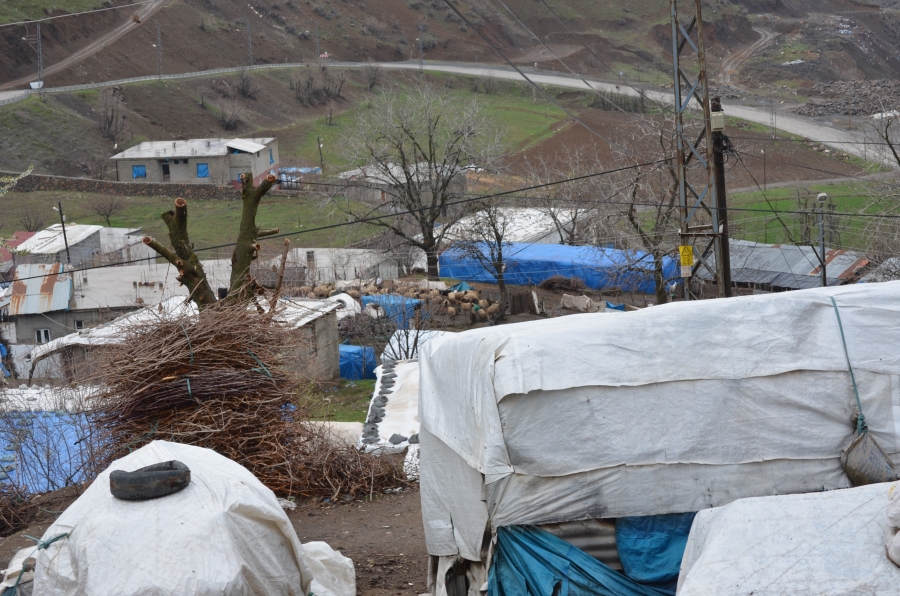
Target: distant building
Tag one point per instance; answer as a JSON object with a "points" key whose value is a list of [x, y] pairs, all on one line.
{"points": [[6, 256], [523, 224], [198, 161], [377, 184], [88, 245]]}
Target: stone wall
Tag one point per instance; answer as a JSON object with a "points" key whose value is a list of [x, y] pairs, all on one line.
{"points": [[38, 182]]}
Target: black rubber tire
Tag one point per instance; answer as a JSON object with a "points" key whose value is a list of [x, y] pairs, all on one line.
{"points": [[152, 482]]}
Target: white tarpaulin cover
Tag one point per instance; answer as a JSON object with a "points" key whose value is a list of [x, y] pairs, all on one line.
{"points": [[669, 409], [225, 534], [825, 544]]}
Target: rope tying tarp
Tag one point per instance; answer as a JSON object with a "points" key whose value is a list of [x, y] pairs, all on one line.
{"points": [[861, 421]]}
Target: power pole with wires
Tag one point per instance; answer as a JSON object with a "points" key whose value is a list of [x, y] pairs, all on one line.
{"points": [[695, 158], [318, 51], [720, 145], [35, 42], [249, 39], [158, 53], [421, 39]]}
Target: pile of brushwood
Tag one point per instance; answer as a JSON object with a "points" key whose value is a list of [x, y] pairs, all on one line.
{"points": [[222, 380]]}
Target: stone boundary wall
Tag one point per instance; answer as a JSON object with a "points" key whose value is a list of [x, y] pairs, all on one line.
{"points": [[40, 182]]}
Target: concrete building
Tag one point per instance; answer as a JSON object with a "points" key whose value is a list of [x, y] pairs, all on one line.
{"points": [[198, 161], [87, 245]]}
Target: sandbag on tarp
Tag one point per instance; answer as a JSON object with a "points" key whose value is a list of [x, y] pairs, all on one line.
{"points": [[531, 562], [225, 534], [357, 362], [600, 268], [827, 544]]}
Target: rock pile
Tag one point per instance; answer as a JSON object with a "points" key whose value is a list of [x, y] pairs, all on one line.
{"points": [[854, 98]]}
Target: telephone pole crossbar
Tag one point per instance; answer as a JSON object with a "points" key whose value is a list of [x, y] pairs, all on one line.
{"points": [[698, 197]]}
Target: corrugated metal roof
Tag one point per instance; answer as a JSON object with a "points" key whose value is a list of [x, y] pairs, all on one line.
{"points": [[51, 241], [788, 266], [40, 288], [189, 148], [250, 146]]}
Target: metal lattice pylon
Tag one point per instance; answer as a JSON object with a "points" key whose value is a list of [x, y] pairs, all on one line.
{"points": [[697, 199]]}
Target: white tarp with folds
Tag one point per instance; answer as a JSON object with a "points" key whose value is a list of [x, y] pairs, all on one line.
{"points": [[827, 544], [669, 409], [225, 534]]}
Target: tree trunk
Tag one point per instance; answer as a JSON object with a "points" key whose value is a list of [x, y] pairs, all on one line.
{"points": [[246, 249], [501, 285], [431, 260], [190, 271], [659, 279]]}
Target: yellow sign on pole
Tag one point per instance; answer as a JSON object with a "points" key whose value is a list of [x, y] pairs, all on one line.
{"points": [[687, 260]]}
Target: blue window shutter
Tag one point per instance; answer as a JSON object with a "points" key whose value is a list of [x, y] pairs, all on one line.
{"points": [[271, 159], [138, 171], [202, 170]]}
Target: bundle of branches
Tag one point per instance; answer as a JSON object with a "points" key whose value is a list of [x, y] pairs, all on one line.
{"points": [[16, 511], [560, 283], [221, 380]]}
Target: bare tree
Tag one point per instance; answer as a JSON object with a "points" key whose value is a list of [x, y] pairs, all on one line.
{"points": [[95, 167], [246, 86], [372, 74], [242, 286], [484, 238], [229, 114], [882, 235], [32, 219], [106, 206], [415, 148], [111, 113]]}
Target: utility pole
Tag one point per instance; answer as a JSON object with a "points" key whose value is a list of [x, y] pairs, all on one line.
{"points": [[717, 120], [318, 52], [62, 220], [249, 42], [158, 53], [699, 195], [321, 159], [822, 198], [421, 39], [35, 42]]}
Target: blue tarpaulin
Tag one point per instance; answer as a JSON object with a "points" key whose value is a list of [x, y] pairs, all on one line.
{"points": [[611, 306], [399, 308], [531, 562], [460, 287], [651, 547], [44, 451], [599, 268], [3, 370], [357, 362]]}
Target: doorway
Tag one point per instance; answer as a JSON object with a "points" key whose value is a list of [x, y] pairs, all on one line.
{"points": [[165, 172]]}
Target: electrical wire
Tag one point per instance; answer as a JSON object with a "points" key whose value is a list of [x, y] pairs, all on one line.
{"points": [[75, 14], [543, 92]]}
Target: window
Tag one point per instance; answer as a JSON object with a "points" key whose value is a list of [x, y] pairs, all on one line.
{"points": [[79, 325], [138, 171], [42, 336], [202, 170], [271, 158]]}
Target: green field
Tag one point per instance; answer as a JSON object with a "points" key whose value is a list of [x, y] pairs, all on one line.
{"points": [[347, 402], [13, 11], [753, 217], [211, 222]]}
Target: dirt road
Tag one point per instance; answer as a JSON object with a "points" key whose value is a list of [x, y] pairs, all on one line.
{"points": [[734, 61], [144, 12]]}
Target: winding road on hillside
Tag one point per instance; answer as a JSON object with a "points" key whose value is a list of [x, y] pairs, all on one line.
{"points": [[734, 60], [143, 13]]}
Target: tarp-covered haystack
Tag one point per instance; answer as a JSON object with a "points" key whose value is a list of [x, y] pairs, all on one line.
{"points": [[222, 380]]}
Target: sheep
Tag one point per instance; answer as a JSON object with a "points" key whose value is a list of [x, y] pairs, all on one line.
{"points": [[321, 291], [482, 314], [451, 312], [466, 307], [452, 297], [353, 294], [493, 309], [484, 303], [471, 296], [305, 290]]}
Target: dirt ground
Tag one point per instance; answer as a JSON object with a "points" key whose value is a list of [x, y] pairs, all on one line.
{"points": [[384, 537]]}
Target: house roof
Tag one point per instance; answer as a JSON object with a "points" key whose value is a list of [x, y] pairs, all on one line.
{"points": [[524, 224], [39, 288], [12, 242], [788, 266], [192, 148], [51, 240]]}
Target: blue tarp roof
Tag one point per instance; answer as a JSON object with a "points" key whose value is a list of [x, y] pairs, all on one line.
{"points": [[599, 268], [357, 362]]}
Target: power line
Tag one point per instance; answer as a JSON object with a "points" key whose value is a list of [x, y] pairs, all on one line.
{"points": [[532, 83], [75, 14]]}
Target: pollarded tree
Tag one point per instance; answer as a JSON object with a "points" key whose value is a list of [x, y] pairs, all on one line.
{"points": [[181, 253], [418, 150]]}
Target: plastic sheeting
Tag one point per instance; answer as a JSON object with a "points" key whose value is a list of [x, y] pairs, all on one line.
{"points": [[399, 308], [531, 562], [826, 544], [600, 268], [651, 547], [357, 362], [224, 534], [670, 409]]}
